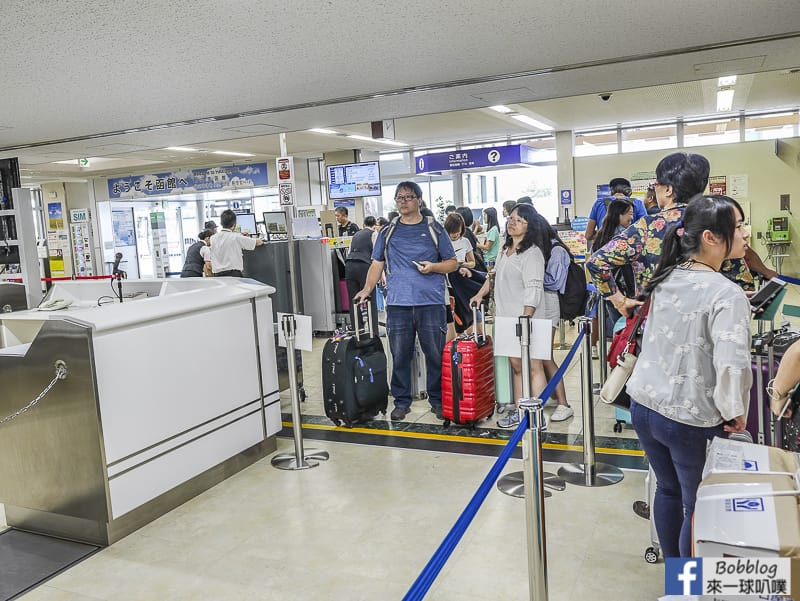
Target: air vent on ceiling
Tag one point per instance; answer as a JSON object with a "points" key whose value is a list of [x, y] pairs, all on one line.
{"points": [[511, 96], [257, 128]]}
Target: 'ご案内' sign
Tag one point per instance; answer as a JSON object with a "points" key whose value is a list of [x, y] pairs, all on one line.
{"points": [[496, 156]]}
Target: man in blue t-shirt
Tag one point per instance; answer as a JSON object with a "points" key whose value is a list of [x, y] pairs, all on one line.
{"points": [[620, 188], [415, 265]]}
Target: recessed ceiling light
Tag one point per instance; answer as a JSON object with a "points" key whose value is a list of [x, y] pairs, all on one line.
{"points": [[500, 108], [233, 154], [182, 148], [729, 80], [322, 130], [532, 122], [724, 100]]}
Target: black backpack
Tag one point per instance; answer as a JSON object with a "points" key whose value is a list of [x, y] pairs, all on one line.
{"points": [[573, 301]]}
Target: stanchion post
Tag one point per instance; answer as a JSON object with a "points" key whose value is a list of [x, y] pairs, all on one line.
{"points": [[589, 473], [532, 468], [602, 342], [301, 459], [513, 484]]}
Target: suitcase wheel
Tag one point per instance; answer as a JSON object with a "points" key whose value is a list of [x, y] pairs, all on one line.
{"points": [[423, 395], [651, 555], [446, 423], [471, 425], [302, 394], [618, 427]]}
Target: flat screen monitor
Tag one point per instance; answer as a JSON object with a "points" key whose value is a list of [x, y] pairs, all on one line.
{"points": [[246, 223], [353, 180]]}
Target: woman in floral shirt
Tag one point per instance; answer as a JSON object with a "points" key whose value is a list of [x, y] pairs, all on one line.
{"points": [[679, 177]]}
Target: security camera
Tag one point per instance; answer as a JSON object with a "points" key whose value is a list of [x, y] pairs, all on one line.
{"points": [[605, 97]]}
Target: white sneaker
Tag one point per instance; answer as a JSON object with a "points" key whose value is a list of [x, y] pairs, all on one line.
{"points": [[562, 413]]}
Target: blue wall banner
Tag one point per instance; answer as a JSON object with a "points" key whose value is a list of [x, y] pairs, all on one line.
{"points": [[496, 156], [566, 197], [208, 179]]}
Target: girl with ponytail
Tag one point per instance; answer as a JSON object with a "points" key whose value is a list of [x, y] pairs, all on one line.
{"points": [[692, 378]]}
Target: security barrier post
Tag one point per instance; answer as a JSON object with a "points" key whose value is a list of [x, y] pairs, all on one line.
{"points": [[301, 459], [589, 473], [534, 502]]}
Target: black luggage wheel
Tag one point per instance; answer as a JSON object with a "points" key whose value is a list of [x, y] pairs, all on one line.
{"points": [[446, 423], [618, 427], [651, 555]]}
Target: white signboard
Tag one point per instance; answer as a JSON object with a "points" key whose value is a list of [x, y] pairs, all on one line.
{"points": [[286, 194], [506, 341], [79, 215], [303, 333]]}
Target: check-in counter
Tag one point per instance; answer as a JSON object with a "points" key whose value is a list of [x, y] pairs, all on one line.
{"points": [[166, 394]]}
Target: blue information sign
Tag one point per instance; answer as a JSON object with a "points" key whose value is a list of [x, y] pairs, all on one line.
{"points": [[189, 180], [496, 156], [579, 223], [566, 197]]}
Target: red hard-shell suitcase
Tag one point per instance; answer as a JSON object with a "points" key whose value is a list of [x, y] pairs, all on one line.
{"points": [[468, 393]]}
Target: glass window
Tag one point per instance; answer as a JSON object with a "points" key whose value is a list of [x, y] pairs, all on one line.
{"points": [[712, 131], [768, 127], [595, 143], [651, 137]]}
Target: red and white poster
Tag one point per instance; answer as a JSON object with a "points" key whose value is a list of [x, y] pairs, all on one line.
{"points": [[718, 184]]}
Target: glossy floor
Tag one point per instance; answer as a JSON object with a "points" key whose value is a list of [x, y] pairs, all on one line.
{"points": [[361, 527]]}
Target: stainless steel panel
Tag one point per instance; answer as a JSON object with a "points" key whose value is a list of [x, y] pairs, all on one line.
{"points": [[12, 295], [51, 458], [107, 533]]}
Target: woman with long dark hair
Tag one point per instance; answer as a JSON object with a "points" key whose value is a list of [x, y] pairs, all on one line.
{"points": [[491, 245], [618, 217], [692, 379], [519, 288]]}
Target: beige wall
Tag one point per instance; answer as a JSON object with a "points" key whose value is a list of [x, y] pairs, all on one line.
{"points": [[768, 178]]}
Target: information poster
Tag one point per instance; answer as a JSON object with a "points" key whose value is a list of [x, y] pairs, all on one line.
{"points": [[55, 215], [738, 186], [275, 224], [718, 184]]}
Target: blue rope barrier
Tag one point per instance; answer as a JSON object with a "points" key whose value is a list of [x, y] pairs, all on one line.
{"points": [[431, 570], [786, 278], [423, 583]]}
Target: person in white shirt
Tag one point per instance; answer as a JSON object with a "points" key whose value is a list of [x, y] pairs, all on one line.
{"points": [[692, 379], [227, 246]]}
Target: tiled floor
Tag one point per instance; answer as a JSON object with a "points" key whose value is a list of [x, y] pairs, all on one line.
{"points": [[361, 527]]}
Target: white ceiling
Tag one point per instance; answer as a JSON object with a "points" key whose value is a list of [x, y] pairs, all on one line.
{"points": [[77, 76]]}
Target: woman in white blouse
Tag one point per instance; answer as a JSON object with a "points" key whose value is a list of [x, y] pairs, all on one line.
{"points": [[519, 289], [692, 379]]}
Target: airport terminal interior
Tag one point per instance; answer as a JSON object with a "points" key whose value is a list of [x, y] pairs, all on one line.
{"points": [[143, 413]]}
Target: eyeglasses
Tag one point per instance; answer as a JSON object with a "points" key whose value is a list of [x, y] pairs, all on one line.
{"points": [[406, 198], [518, 221]]}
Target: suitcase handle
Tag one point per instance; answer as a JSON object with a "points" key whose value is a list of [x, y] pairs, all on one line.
{"points": [[479, 340], [358, 311]]}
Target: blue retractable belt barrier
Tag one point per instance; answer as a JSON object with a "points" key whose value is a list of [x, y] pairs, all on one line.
{"points": [[431, 570], [786, 278]]}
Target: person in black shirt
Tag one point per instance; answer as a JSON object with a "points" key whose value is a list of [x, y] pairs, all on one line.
{"points": [[196, 257], [346, 227]]}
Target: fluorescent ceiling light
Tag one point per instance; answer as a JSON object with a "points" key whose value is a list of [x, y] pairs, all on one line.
{"points": [[730, 80], [392, 156], [182, 148], [322, 130], [532, 122], [500, 108], [233, 154], [724, 100], [368, 139]]}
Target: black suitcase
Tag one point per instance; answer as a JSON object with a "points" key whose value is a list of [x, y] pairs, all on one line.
{"points": [[354, 373]]}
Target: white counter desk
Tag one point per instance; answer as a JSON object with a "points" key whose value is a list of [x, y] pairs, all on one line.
{"points": [[167, 393]]}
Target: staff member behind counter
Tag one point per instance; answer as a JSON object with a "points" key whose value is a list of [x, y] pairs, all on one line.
{"points": [[227, 247]]}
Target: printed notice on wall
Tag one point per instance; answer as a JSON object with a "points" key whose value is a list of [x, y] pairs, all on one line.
{"points": [[738, 186], [718, 184]]}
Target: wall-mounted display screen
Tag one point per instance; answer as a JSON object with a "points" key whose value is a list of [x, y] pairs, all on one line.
{"points": [[352, 180]]}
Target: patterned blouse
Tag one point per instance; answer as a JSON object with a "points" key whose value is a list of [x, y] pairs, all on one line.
{"points": [[640, 246]]}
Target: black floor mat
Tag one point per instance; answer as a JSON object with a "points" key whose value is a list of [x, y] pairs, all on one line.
{"points": [[27, 560]]}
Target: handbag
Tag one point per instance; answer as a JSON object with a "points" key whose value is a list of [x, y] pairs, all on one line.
{"points": [[622, 357]]}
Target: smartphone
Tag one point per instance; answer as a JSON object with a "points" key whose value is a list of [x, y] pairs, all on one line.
{"points": [[419, 265], [764, 297]]}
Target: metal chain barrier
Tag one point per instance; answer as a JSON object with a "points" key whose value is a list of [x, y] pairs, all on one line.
{"points": [[61, 374]]}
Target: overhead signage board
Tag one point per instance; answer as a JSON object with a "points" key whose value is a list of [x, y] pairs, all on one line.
{"points": [[208, 179], [474, 158]]}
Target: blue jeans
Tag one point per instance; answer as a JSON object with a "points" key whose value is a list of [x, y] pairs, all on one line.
{"points": [[403, 325], [677, 453]]}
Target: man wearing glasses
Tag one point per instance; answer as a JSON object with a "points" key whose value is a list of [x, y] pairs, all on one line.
{"points": [[416, 258]]}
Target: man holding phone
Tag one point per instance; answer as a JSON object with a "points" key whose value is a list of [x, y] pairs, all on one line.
{"points": [[416, 253]]}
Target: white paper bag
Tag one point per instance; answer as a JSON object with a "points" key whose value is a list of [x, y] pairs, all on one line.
{"points": [[506, 341]]}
